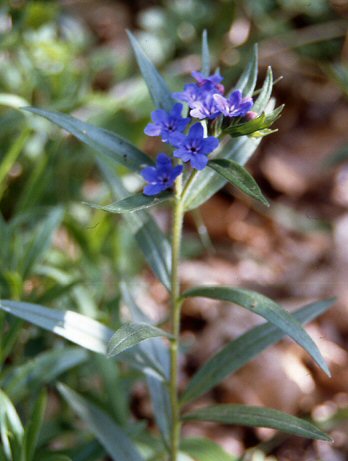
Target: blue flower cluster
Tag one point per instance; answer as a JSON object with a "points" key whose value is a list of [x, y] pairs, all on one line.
{"points": [[205, 101]]}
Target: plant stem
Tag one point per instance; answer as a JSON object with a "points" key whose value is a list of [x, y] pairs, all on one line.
{"points": [[178, 215]]}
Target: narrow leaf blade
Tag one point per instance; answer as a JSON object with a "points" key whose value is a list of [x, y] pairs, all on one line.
{"points": [[130, 334], [207, 182], [33, 429], [43, 369], [242, 350], [257, 417], [105, 142], [110, 435], [133, 203], [75, 327], [205, 54], [247, 80], [158, 89], [239, 177], [266, 308]]}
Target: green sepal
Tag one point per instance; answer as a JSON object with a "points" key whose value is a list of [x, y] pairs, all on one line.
{"points": [[255, 127]]}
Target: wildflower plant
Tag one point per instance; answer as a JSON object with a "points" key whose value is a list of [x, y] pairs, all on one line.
{"points": [[208, 135]]}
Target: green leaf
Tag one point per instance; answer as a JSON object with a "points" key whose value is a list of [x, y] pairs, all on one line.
{"points": [[265, 93], [266, 308], [105, 142], [147, 234], [79, 329], [11, 429], [131, 334], [41, 241], [112, 437], [207, 182], [257, 417], [75, 327], [158, 89], [44, 368], [33, 428], [205, 450], [239, 177], [133, 203], [247, 80], [205, 54], [242, 350], [256, 126]]}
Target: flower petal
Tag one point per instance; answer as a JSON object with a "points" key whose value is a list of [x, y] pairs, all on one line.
{"points": [[196, 131], [209, 144], [149, 174], [152, 129], [154, 189], [199, 161]]}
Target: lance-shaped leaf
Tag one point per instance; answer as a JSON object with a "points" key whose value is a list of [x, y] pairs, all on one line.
{"points": [[247, 80], [43, 369], [111, 436], [32, 431], [206, 183], [75, 327], [158, 89], [265, 92], [147, 234], [239, 177], [105, 142], [79, 329], [133, 203], [242, 350], [242, 415], [266, 308], [205, 54], [11, 429], [205, 450], [131, 334], [256, 126], [41, 241]]}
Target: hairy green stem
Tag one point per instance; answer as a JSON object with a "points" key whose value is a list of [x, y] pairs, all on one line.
{"points": [[178, 216]]}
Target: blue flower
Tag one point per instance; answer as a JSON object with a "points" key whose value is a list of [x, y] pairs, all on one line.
{"points": [[235, 105], [209, 83], [167, 123], [199, 96], [206, 108], [161, 176], [193, 147], [191, 94]]}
